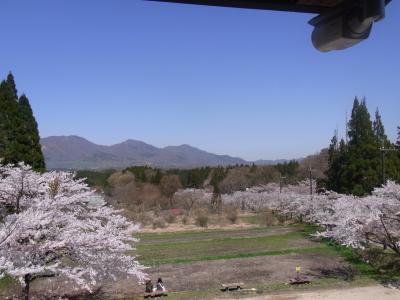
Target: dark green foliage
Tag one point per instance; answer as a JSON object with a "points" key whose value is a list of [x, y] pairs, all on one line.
{"points": [[379, 129], [30, 150], [8, 122], [95, 178], [290, 170], [356, 167], [157, 178], [145, 174], [337, 159], [192, 178], [11, 83], [19, 136], [218, 175], [139, 172], [189, 178], [223, 179], [398, 138]]}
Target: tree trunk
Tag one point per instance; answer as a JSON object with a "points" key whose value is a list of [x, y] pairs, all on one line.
{"points": [[171, 202], [25, 291]]}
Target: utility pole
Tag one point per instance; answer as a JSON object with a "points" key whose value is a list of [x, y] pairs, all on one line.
{"points": [[383, 151], [311, 188], [280, 183], [347, 130]]}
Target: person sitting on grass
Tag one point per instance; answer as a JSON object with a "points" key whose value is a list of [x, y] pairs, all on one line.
{"points": [[160, 286], [149, 286]]}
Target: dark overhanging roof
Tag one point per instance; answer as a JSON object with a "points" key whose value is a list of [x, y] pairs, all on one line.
{"points": [[306, 6]]}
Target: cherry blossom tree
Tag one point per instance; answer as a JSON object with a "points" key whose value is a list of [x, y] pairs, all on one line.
{"points": [[57, 231], [358, 222], [373, 219], [18, 186]]}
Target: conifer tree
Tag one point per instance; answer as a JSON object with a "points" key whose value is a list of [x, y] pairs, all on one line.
{"points": [[356, 168], [28, 137], [9, 122], [19, 136], [363, 152], [379, 129], [11, 83], [332, 172]]}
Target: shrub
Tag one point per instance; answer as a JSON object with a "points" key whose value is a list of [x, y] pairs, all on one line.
{"points": [[202, 220], [159, 223], [185, 220], [231, 214], [143, 218], [170, 218], [266, 218]]}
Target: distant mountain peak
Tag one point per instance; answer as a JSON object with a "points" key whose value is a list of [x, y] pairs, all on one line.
{"points": [[74, 152]]}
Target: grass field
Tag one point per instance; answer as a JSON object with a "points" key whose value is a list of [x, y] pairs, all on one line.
{"points": [[188, 247], [193, 264]]}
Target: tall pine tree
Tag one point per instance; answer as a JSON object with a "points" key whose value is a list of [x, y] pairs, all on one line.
{"points": [[9, 121], [357, 167], [379, 130], [19, 136], [28, 136], [11, 83], [363, 152]]}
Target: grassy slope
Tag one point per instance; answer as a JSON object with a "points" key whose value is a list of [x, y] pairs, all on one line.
{"points": [[156, 249], [187, 247], [192, 246]]}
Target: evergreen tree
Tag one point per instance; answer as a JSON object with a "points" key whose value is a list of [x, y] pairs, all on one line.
{"points": [[289, 169], [11, 83], [9, 123], [333, 168], [356, 168], [28, 137], [157, 177], [379, 129], [363, 162], [19, 136], [392, 160], [360, 125]]}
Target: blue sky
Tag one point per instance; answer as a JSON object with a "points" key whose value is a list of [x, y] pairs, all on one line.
{"points": [[241, 82]]}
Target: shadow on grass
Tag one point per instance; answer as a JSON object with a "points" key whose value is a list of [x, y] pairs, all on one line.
{"points": [[372, 269]]}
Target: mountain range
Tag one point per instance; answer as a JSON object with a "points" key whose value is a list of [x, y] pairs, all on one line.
{"points": [[76, 153]]}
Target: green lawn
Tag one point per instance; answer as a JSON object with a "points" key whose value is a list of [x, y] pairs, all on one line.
{"points": [[185, 247], [157, 249]]}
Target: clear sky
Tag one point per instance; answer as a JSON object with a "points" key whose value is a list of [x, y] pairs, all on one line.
{"points": [[246, 83]]}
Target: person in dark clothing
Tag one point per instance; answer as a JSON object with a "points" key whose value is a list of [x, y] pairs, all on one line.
{"points": [[149, 286], [160, 285]]}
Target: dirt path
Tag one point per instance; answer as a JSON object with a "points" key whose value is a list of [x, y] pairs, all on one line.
{"points": [[360, 293], [210, 274]]}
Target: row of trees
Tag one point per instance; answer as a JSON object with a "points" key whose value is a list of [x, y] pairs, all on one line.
{"points": [[56, 229], [19, 136], [359, 222], [365, 158], [223, 179]]}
